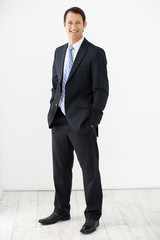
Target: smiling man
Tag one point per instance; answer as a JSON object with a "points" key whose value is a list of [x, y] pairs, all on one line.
{"points": [[75, 25], [79, 95]]}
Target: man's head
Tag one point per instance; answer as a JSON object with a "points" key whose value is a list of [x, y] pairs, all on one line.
{"points": [[74, 23]]}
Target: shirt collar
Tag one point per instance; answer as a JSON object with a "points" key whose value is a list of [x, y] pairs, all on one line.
{"points": [[77, 44]]}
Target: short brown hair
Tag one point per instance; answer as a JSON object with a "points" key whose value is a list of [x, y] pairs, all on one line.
{"points": [[75, 10]]}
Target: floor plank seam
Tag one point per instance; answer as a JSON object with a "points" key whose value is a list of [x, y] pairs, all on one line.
{"points": [[15, 215]]}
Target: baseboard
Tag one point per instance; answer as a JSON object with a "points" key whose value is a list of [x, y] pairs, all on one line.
{"points": [[1, 193]]}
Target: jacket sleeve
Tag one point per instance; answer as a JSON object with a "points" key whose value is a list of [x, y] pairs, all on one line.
{"points": [[100, 87], [54, 79]]}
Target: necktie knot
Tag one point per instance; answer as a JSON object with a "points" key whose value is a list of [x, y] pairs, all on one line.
{"points": [[71, 48]]}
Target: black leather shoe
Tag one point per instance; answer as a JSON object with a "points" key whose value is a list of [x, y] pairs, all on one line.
{"points": [[89, 226], [53, 218]]}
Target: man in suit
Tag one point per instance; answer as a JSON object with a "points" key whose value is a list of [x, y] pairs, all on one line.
{"points": [[79, 95]]}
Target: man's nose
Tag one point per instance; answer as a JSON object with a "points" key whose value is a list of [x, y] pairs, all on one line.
{"points": [[73, 26]]}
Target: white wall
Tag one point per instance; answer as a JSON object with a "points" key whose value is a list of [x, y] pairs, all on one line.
{"points": [[1, 190], [129, 132]]}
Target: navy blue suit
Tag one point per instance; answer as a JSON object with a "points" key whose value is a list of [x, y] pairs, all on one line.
{"points": [[86, 95]]}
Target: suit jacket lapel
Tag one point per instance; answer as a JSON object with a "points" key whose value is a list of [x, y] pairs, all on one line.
{"points": [[61, 57], [60, 61], [80, 55]]}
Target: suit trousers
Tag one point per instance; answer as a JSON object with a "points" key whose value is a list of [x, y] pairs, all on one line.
{"points": [[64, 142]]}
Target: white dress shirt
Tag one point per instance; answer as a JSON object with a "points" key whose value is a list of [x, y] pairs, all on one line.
{"points": [[74, 54]]}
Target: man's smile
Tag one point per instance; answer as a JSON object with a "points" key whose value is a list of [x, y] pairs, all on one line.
{"points": [[73, 31]]}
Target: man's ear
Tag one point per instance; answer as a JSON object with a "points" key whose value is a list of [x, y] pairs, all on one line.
{"points": [[85, 24], [64, 24]]}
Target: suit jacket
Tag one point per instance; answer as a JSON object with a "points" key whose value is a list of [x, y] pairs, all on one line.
{"points": [[86, 90]]}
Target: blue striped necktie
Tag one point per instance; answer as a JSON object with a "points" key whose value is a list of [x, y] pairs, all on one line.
{"points": [[68, 66]]}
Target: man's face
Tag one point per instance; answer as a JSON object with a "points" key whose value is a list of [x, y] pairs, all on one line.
{"points": [[74, 26]]}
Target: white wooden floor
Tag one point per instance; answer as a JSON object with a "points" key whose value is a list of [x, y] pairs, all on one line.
{"points": [[127, 215]]}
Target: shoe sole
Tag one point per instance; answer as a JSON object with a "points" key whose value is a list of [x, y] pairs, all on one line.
{"points": [[61, 219], [65, 218]]}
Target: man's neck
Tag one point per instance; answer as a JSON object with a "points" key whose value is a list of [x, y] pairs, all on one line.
{"points": [[73, 41]]}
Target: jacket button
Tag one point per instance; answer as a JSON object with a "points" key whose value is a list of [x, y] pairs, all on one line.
{"points": [[56, 104]]}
